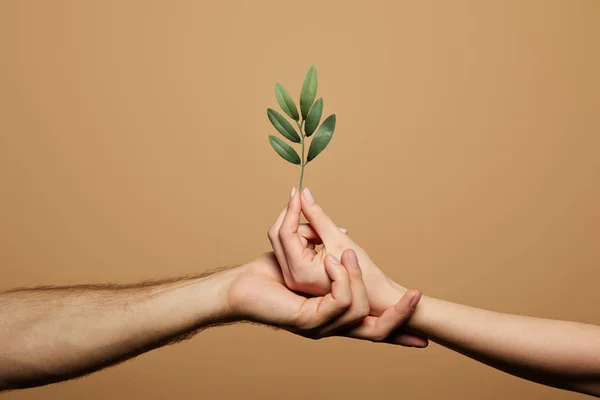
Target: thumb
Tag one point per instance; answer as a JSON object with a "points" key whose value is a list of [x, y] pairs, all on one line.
{"points": [[321, 223]]}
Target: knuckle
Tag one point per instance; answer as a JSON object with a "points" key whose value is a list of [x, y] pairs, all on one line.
{"points": [[318, 214], [362, 311], [308, 326], [378, 337], [272, 234], [358, 313], [302, 280], [300, 322], [344, 302], [290, 282], [282, 234]]}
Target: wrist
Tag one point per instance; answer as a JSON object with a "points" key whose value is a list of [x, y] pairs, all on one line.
{"points": [[239, 289], [213, 293], [390, 294], [251, 288]]}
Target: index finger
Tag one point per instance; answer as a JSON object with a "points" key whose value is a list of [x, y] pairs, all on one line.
{"points": [[320, 221], [288, 233], [318, 311]]}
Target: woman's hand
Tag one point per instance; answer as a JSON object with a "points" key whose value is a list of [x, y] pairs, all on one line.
{"points": [[259, 294], [303, 267]]}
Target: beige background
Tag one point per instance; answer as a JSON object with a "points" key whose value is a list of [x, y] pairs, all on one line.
{"points": [[133, 145]]}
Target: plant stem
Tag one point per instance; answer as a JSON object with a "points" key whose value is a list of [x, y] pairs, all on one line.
{"points": [[301, 174], [300, 125]]}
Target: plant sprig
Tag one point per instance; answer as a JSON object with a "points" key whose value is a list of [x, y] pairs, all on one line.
{"points": [[307, 122]]}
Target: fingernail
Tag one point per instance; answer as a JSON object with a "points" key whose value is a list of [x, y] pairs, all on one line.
{"points": [[344, 230], [352, 258], [333, 259], [308, 196], [293, 193]]}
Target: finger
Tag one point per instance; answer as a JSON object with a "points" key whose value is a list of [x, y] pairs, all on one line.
{"points": [[321, 223], [307, 232], [359, 308], [396, 316], [288, 233], [273, 235], [378, 329], [318, 311]]}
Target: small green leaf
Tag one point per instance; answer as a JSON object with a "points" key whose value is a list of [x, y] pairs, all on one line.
{"points": [[309, 91], [283, 126], [284, 150], [285, 102], [314, 117], [322, 137]]}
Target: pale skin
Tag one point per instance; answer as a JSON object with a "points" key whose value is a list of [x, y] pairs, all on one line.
{"points": [[562, 354], [51, 334]]}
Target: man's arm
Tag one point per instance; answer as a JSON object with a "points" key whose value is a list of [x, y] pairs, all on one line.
{"points": [[52, 334], [556, 353]]}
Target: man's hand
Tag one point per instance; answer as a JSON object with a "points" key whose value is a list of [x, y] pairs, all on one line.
{"points": [[51, 334], [259, 294], [303, 267]]}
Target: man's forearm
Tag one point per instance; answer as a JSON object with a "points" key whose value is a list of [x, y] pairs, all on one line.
{"points": [[556, 353], [53, 334]]}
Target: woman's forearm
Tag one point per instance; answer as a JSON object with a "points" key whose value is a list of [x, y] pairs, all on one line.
{"points": [[556, 353], [53, 334]]}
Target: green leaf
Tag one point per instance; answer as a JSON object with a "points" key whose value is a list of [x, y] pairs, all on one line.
{"points": [[322, 138], [284, 150], [283, 126], [309, 91], [314, 117], [285, 102]]}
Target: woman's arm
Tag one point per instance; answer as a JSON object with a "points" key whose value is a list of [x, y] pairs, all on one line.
{"points": [[556, 353]]}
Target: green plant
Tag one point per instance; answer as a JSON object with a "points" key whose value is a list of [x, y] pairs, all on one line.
{"points": [[307, 122]]}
